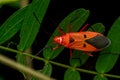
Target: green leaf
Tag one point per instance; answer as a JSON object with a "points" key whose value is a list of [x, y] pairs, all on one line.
{"points": [[11, 26], [30, 26], [76, 19], [113, 35], [75, 62], [47, 70], [105, 62], [97, 27], [71, 74], [109, 56], [100, 77], [78, 58]]}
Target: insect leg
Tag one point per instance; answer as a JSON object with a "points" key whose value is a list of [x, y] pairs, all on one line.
{"points": [[61, 31], [69, 28], [70, 53], [84, 27], [56, 47], [88, 53]]}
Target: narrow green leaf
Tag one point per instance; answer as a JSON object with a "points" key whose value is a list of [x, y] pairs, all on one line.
{"points": [[109, 56], [100, 77], [11, 26], [30, 26], [71, 75], [47, 70], [76, 19]]}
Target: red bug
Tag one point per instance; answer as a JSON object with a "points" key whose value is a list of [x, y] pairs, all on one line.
{"points": [[87, 41]]}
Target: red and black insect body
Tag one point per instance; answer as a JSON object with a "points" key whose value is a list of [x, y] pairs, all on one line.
{"points": [[87, 41]]}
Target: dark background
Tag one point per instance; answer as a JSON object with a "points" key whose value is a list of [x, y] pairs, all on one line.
{"points": [[100, 11]]}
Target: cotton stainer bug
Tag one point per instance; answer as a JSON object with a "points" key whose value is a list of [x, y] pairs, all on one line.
{"points": [[86, 41]]}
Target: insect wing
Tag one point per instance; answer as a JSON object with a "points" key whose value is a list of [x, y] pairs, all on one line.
{"points": [[83, 46]]}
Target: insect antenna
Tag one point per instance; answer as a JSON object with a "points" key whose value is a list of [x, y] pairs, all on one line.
{"points": [[47, 46], [84, 27], [39, 21]]}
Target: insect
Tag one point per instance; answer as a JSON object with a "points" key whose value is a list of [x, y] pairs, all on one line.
{"points": [[86, 41]]}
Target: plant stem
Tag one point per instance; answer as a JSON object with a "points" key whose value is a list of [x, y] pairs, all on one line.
{"points": [[55, 63], [7, 1], [113, 76], [24, 3], [20, 67]]}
